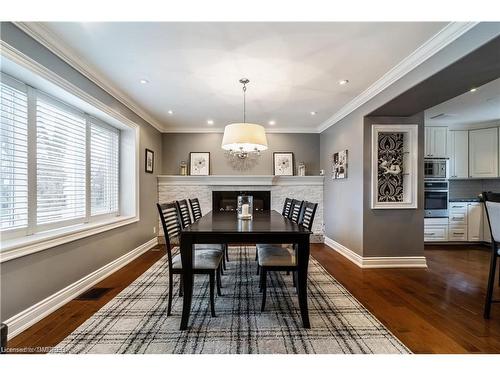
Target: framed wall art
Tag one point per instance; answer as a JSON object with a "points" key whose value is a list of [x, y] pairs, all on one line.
{"points": [[150, 161], [394, 166], [283, 163], [339, 165], [199, 163]]}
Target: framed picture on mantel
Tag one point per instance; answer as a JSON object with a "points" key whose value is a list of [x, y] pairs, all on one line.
{"points": [[283, 163], [199, 163]]}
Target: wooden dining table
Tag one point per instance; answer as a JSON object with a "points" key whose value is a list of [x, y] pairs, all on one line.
{"points": [[225, 228]]}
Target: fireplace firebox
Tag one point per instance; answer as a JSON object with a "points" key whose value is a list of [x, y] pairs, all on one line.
{"points": [[227, 200]]}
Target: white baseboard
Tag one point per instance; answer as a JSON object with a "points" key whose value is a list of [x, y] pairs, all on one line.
{"points": [[26, 318], [376, 262]]}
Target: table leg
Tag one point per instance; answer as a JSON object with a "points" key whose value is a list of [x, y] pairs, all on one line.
{"points": [[303, 263], [188, 279]]}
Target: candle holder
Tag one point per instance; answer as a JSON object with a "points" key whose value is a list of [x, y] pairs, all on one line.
{"points": [[245, 207]]}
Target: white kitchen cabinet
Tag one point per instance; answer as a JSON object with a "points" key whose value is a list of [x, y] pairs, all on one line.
{"points": [[457, 233], [459, 153], [483, 153], [486, 227], [435, 229], [474, 220], [436, 142]]}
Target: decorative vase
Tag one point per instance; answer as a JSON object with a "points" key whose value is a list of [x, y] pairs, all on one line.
{"points": [[245, 207], [302, 169], [183, 168]]}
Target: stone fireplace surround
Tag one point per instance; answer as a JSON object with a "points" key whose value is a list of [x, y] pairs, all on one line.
{"points": [[171, 187]]}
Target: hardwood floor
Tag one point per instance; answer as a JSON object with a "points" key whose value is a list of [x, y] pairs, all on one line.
{"points": [[438, 310]]}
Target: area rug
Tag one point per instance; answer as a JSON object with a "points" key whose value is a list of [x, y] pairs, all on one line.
{"points": [[136, 321]]}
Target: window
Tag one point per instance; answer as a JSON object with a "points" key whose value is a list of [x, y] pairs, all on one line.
{"points": [[104, 156], [59, 166], [14, 157]]}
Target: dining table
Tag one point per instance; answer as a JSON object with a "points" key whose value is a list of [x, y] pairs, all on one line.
{"points": [[224, 227]]}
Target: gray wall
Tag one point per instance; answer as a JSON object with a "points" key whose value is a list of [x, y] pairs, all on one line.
{"points": [[27, 280], [344, 207], [176, 148], [392, 232]]}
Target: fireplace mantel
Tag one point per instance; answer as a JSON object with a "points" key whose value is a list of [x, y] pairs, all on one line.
{"points": [[243, 180]]}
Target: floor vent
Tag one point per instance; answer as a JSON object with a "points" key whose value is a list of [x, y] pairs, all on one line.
{"points": [[92, 294]]}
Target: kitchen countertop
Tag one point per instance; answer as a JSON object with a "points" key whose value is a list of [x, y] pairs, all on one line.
{"points": [[476, 199]]}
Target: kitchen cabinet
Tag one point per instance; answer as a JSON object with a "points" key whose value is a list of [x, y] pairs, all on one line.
{"points": [[486, 228], [483, 153], [436, 142], [474, 221], [435, 229], [459, 153]]}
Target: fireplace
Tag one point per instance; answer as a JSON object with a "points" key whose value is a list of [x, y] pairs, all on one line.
{"points": [[227, 200]]}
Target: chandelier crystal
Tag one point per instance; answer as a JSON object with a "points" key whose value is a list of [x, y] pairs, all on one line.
{"points": [[244, 139]]}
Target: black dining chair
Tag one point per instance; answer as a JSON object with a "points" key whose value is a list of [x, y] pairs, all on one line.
{"points": [[206, 261], [295, 208], [195, 208], [492, 206], [283, 258], [286, 207]]}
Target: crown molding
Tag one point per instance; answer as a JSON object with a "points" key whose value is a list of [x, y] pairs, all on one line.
{"points": [[444, 37], [42, 35]]}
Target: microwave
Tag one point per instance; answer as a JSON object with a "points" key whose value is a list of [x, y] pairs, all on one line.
{"points": [[436, 169]]}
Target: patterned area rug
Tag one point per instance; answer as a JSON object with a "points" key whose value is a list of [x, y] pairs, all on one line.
{"points": [[135, 321]]}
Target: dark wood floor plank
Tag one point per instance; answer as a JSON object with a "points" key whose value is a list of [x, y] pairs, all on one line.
{"points": [[434, 310]]}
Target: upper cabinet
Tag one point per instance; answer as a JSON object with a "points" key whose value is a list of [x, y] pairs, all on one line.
{"points": [[436, 139], [459, 153], [483, 153]]}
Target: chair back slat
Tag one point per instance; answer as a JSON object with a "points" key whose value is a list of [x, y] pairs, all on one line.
{"points": [[286, 207], [492, 205], [170, 221], [295, 208], [195, 208], [184, 213], [307, 213]]}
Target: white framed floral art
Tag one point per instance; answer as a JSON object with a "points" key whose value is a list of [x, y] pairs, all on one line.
{"points": [[283, 163], [199, 163]]}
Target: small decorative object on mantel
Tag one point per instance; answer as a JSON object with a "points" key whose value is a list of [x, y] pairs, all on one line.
{"points": [[339, 165], [283, 163], [149, 161], [183, 168], [394, 166], [301, 169], [199, 163], [245, 207], [321, 172]]}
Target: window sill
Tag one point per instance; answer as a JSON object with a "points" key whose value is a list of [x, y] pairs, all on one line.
{"points": [[19, 247]]}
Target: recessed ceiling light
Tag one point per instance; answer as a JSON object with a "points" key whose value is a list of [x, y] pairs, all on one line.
{"points": [[313, 113], [210, 122], [473, 89], [144, 81], [170, 112], [343, 82], [272, 122]]}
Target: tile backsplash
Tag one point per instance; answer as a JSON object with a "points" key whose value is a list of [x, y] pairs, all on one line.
{"points": [[472, 188]]}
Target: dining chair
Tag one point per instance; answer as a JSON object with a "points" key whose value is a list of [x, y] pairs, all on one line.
{"points": [[186, 221], [195, 208], [286, 207], [283, 258], [206, 261], [295, 208], [492, 206]]}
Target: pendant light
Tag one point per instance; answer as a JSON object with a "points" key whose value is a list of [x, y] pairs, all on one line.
{"points": [[244, 139]]}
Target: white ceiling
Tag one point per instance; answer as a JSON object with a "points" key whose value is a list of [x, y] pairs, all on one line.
{"points": [[193, 68], [471, 108]]}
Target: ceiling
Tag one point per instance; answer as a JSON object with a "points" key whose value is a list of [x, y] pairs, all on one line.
{"points": [[478, 107], [193, 69]]}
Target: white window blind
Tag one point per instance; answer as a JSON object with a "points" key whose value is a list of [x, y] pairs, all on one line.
{"points": [[61, 160], [104, 162], [14, 157]]}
